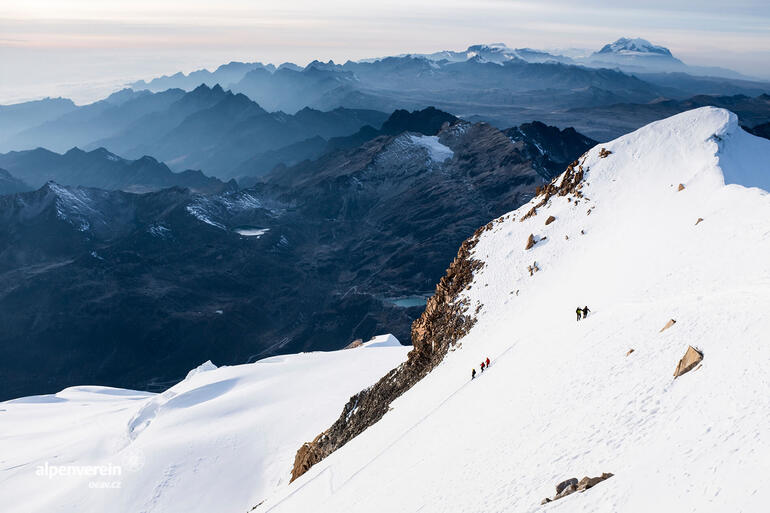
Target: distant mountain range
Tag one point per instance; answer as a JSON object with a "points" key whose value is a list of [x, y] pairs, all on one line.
{"points": [[247, 118], [132, 290], [22, 116], [488, 82], [621, 118], [208, 128], [102, 169]]}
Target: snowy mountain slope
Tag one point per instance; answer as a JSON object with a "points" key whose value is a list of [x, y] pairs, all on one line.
{"points": [[220, 440], [634, 46], [563, 399]]}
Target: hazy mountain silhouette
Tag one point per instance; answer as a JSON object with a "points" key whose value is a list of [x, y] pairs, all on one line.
{"points": [[102, 169]]}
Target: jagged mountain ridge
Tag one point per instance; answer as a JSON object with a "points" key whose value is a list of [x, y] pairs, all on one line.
{"points": [[224, 75], [565, 399], [208, 128], [311, 258], [100, 168]]}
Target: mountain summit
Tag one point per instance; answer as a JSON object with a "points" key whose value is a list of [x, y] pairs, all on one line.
{"points": [[626, 46], [636, 55], [642, 230]]}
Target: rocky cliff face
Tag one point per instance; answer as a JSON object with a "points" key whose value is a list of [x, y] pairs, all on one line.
{"points": [[444, 321]]}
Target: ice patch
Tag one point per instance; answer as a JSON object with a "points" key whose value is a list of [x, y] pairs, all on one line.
{"points": [[437, 151], [252, 232]]}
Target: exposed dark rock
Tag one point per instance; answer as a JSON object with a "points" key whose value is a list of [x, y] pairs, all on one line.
{"points": [[427, 121], [441, 325], [570, 184], [604, 153], [700, 220], [681, 187], [564, 484], [549, 220], [570, 486]]}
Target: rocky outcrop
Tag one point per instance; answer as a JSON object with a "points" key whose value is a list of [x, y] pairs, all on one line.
{"points": [[670, 323], [549, 220], [444, 321], [565, 484], [681, 187], [604, 153], [699, 221], [571, 183], [530, 242], [570, 486], [356, 343], [691, 358], [590, 482]]}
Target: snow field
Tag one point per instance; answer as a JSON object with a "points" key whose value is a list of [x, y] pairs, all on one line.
{"points": [[220, 440], [561, 398]]}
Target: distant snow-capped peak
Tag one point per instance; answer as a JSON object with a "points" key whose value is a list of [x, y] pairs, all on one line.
{"points": [[637, 45]]}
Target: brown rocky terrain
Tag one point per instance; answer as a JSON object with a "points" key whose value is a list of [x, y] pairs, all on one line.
{"points": [[442, 324]]}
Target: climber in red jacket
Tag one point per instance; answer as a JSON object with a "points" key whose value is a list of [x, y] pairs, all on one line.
{"points": [[487, 362]]}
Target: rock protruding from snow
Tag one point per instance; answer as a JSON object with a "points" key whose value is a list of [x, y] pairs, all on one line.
{"points": [[572, 485], [691, 358], [566, 483], [444, 321], [530, 241], [670, 323]]}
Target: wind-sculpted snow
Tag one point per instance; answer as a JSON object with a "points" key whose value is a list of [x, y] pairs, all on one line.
{"points": [[567, 399], [220, 440]]}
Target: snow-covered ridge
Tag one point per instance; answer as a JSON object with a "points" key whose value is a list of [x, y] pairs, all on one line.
{"points": [[220, 440], [637, 45], [668, 222]]}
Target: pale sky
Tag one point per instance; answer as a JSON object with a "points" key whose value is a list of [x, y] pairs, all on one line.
{"points": [[84, 49]]}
